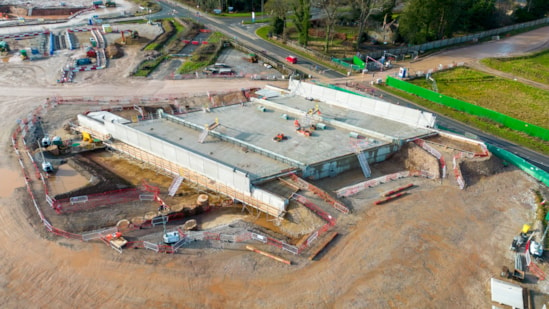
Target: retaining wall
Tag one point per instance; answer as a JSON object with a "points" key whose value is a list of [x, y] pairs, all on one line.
{"points": [[398, 113]]}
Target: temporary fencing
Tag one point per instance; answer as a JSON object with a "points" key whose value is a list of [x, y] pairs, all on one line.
{"points": [[80, 203], [457, 171], [314, 208], [354, 189], [23, 34], [321, 193], [98, 234]]}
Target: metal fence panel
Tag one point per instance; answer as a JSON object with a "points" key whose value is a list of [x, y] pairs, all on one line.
{"points": [[79, 199], [290, 248], [151, 246], [259, 237]]}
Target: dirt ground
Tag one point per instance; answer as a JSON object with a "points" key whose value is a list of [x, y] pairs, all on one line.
{"points": [[434, 248]]}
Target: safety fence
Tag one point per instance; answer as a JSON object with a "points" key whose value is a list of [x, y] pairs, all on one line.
{"points": [[141, 244], [356, 188], [524, 165], [472, 109], [99, 233], [319, 192], [20, 130], [414, 49], [314, 208], [438, 68], [457, 171], [421, 143], [22, 35], [85, 202], [29, 122]]}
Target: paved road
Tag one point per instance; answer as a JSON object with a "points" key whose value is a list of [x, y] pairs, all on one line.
{"points": [[246, 35]]}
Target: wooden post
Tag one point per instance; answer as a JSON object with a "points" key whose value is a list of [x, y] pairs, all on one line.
{"points": [[274, 257]]}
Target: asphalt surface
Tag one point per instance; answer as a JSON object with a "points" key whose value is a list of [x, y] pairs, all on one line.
{"points": [[245, 34]]}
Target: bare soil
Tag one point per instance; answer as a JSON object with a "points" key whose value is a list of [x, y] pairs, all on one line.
{"points": [[437, 247]]}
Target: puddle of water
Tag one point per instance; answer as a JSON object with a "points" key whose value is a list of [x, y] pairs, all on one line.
{"points": [[66, 179], [9, 181]]}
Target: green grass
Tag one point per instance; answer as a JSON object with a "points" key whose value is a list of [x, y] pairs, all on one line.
{"points": [[202, 57], [178, 26], [480, 123], [192, 66], [505, 96], [146, 67], [216, 37], [169, 31], [534, 67], [263, 32]]}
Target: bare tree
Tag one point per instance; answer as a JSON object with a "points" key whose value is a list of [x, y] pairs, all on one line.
{"points": [[366, 9], [330, 9]]}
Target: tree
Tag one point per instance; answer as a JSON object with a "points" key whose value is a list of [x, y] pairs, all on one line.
{"points": [[426, 20], [366, 8], [278, 9], [330, 9], [534, 9], [302, 17]]}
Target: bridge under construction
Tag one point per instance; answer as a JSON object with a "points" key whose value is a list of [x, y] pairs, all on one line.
{"points": [[308, 130]]}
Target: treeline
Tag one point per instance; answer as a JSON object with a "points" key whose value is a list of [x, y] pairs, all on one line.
{"points": [[415, 21]]}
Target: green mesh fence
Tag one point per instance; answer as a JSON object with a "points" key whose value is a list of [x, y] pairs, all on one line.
{"points": [[358, 62], [345, 63], [469, 108], [528, 168]]}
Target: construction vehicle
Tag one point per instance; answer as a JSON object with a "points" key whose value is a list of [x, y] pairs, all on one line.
{"points": [[520, 240], [116, 240], [279, 137], [170, 237]]}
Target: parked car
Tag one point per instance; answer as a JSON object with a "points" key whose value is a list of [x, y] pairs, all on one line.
{"points": [[291, 59]]}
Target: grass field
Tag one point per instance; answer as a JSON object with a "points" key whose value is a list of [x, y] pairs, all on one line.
{"points": [[495, 129], [508, 97], [534, 67]]}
